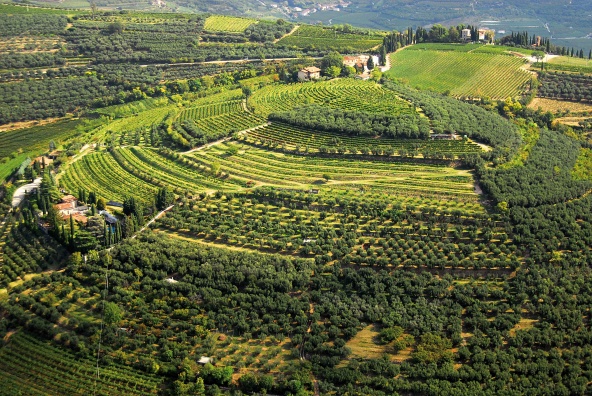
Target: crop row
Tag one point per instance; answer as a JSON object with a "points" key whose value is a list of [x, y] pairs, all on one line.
{"points": [[221, 23], [211, 110], [461, 74], [229, 123], [256, 166], [34, 367], [100, 172], [388, 237], [292, 137], [308, 36], [161, 171], [22, 252], [35, 138], [347, 94]]}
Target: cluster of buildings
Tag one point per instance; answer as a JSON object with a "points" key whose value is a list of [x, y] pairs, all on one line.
{"points": [[295, 12], [359, 62], [69, 206], [482, 34]]}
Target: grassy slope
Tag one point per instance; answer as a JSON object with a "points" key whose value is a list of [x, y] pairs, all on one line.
{"points": [[462, 73]]}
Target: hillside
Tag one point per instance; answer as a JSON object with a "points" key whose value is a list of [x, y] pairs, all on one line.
{"points": [[567, 23], [223, 205]]}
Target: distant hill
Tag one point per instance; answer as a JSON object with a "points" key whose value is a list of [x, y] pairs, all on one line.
{"points": [[567, 22]]}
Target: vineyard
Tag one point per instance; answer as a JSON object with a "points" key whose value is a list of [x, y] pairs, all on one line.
{"points": [[222, 23], [345, 94], [254, 166], [318, 37], [377, 232], [35, 138], [284, 136], [221, 119], [23, 252], [137, 172], [461, 73], [32, 367]]}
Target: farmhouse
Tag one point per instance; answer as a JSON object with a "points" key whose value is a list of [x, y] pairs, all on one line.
{"points": [[65, 208], [109, 218], [359, 61], [78, 217], [466, 34], [54, 154], [70, 199], [309, 73]]}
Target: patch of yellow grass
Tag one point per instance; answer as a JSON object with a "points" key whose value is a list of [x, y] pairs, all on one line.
{"points": [[523, 324], [555, 106], [365, 344]]}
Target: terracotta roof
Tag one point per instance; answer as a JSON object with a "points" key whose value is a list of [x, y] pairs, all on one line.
{"points": [[64, 206], [68, 199], [311, 69], [76, 216]]}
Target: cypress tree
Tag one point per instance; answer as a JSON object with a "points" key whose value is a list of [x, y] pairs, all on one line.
{"points": [[71, 227]]}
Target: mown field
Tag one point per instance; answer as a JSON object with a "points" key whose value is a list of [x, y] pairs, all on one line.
{"points": [[569, 64], [461, 71]]}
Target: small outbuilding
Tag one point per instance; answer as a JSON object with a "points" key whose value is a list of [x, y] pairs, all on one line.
{"points": [[205, 360], [309, 73]]}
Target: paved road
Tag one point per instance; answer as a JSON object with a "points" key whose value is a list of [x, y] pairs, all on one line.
{"points": [[225, 61], [19, 194]]}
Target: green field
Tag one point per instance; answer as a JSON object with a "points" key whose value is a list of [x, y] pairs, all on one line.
{"points": [[18, 144], [316, 37], [347, 94], [32, 367], [280, 222], [279, 135], [221, 23], [256, 166], [569, 64], [460, 72]]}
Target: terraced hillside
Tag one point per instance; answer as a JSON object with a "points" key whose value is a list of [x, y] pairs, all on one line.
{"points": [[347, 94], [138, 172], [297, 223], [254, 166], [285, 136], [308, 36]]}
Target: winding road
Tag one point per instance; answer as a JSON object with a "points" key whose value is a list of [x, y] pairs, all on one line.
{"points": [[19, 194]]}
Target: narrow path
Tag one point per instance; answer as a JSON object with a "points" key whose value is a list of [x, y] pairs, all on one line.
{"points": [[158, 216], [287, 34], [223, 62], [208, 145], [19, 194]]}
